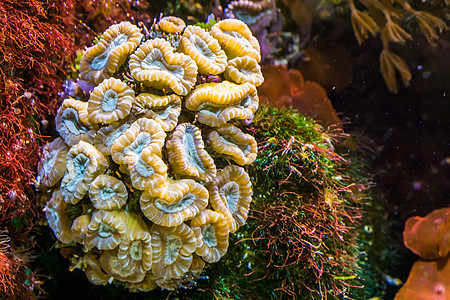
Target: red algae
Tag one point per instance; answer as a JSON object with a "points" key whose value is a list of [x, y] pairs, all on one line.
{"points": [[34, 51]]}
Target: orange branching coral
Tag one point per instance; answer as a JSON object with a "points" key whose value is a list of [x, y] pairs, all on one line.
{"points": [[387, 17], [284, 88], [137, 133]]}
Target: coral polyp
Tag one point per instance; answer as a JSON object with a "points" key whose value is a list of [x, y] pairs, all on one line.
{"points": [[137, 191]]}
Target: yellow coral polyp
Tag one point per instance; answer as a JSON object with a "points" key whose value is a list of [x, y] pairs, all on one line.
{"points": [[102, 60], [234, 144], [52, 166], [90, 264], [171, 24], [131, 260], [223, 94], [244, 69], [105, 230], [156, 65], [110, 101], [107, 135], [135, 249], [84, 163], [163, 109], [211, 230], [218, 103], [80, 226], [231, 194], [142, 134], [187, 155], [72, 122], [174, 202], [148, 172], [236, 39], [108, 192], [172, 251], [204, 50], [111, 264], [55, 212]]}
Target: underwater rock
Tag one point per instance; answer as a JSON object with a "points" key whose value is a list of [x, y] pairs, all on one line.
{"points": [[134, 186]]}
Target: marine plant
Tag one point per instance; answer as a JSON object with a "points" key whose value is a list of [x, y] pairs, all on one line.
{"points": [[393, 21], [147, 181], [34, 51], [300, 241], [388, 18]]}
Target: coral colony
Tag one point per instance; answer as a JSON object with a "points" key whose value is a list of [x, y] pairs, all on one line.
{"points": [[148, 175]]}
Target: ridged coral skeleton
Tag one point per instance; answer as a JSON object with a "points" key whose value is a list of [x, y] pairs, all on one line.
{"points": [[141, 128]]}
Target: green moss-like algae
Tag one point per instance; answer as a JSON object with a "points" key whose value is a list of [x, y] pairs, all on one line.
{"points": [[300, 240]]}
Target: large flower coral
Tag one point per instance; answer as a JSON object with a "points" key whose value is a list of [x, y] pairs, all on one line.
{"points": [[134, 189]]}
